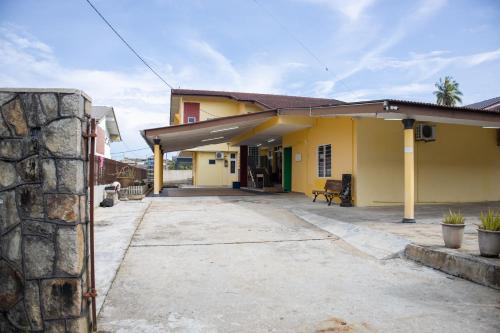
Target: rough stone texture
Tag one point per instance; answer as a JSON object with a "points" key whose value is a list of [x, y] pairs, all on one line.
{"points": [[43, 192], [11, 245], [33, 109], [63, 207], [8, 174], [18, 318], [473, 268], [63, 138], [29, 169], [30, 201], [61, 298], [69, 175], [39, 228], [11, 286], [70, 249], [49, 175], [8, 210], [72, 105], [55, 326], [39, 257], [80, 325], [14, 116], [32, 300], [11, 149], [49, 103]]}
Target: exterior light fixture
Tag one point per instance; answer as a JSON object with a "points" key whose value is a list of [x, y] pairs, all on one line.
{"points": [[399, 119], [225, 129], [271, 140], [491, 127], [212, 139], [258, 145]]}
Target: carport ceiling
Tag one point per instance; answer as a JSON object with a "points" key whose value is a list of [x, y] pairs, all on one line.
{"points": [[272, 136], [176, 138]]}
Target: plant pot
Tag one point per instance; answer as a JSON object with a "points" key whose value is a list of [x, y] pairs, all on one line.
{"points": [[453, 235], [489, 243]]}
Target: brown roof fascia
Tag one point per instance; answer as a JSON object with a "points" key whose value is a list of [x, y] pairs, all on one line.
{"points": [[209, 123]]}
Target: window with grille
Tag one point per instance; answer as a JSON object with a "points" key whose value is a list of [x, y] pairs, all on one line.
{"points": [[253, 157], [325, 161]]}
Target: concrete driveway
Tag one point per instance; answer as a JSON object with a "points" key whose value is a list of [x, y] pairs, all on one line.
{"points": [[245, 264]]}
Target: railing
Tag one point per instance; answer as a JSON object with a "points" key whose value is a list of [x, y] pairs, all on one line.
{"points": [[107, 171]]}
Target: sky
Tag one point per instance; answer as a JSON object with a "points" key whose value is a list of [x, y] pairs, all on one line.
{"points": [[372, 49]]}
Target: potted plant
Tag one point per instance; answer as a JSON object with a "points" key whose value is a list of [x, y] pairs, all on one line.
{"points": [[453, 229], [489, 234]]}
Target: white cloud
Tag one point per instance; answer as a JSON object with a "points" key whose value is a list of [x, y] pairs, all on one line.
{"points": [[139, 98], [351, 9]]}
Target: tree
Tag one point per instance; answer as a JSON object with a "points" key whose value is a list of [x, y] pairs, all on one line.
{"points": [[447, 92]]}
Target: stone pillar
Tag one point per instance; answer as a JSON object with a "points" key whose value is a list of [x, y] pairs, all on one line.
{"points": [[157, 167], [43, 211], [409, 171]]}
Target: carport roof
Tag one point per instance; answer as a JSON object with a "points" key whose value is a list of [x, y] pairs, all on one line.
{"points": [[220, 130]]}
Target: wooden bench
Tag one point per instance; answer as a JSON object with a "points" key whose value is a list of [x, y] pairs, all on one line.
{"points": [[332, 189]]}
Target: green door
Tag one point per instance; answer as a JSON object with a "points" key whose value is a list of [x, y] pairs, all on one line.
{"points": [[287, 169]]}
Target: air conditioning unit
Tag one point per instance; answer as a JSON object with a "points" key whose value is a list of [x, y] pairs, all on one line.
{"points": [[425, 132], [219, 155]]}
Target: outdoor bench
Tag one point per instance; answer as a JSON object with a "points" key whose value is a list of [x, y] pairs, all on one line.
{"points": [[332, 189]]}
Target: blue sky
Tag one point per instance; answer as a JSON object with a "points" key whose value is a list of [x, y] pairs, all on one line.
{"points": [[372, 48]]}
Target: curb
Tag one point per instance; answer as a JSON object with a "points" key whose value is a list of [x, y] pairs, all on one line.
{"points": [[378, 244], [469, 267]]}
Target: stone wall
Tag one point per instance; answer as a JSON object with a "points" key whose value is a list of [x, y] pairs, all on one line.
{"points": [[43, 211]]}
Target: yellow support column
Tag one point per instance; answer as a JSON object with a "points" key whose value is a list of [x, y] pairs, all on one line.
{"points": [[409, 167], [162, 170], [157, 167]]}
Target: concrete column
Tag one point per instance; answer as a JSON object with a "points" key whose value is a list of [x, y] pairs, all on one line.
{"points": [[162, 169], [409, 171], [157, 167], [243, 165]]}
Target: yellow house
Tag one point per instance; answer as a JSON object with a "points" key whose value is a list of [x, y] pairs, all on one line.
{"points": [[395, 152], [218, 164]]}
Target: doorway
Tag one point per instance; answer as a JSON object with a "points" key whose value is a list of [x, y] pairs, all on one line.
{"points": [[287, 169]]}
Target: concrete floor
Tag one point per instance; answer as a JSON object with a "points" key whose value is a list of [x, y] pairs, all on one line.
{"points": [[248, 264]]}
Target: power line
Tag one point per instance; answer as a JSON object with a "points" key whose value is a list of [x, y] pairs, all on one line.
{"points": [[296, 39], [128, 45], [304, 46], [129, 151]]}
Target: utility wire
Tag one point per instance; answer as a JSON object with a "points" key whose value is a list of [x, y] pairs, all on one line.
{"points": [[304, 46], [295, 38], [128, 151], [128, 45]]}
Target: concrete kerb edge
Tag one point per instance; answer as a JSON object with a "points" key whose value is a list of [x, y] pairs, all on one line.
{"points": [[378, 244]]}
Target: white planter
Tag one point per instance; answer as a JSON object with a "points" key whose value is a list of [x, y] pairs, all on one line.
{"points": [[489, 243], [453, 235]]}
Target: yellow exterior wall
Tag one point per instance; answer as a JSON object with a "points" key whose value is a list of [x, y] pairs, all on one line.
{"points": [[214, 107], [213, 174], [462, 165], [335, 131]]}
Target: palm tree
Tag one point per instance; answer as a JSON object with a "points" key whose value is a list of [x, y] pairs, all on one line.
{"points": [[447, 92]]}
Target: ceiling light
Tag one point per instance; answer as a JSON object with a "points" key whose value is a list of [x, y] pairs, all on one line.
{"points": [[259, 144], [225, 129], [212, 139], [271, 140], [393, 119], [492, 127]]}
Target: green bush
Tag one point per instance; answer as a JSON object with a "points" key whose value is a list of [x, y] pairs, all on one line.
{"points": [[453, 218], [490, 221]]}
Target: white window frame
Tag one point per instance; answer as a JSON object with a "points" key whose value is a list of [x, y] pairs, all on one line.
{"points": [[191, 120], [321, 162]]}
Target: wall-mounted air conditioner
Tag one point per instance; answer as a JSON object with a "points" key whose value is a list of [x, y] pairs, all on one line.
{"points": [[425, 132], [219, 155]]}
